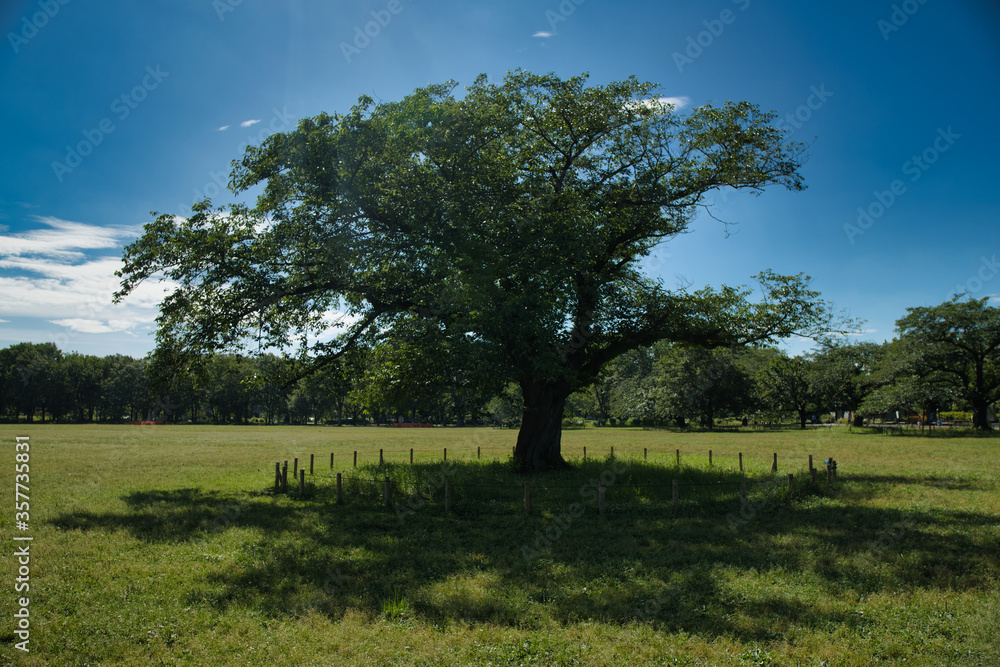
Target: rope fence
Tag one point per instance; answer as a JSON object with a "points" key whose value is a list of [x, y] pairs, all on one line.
{"points": [[413, 488]]}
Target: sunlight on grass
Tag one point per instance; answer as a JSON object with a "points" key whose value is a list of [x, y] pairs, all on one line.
{"points": [[169, 545]]}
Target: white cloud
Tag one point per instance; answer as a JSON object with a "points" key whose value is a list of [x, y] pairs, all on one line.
{"points": [[223, 128], [248, 123], [660, 103], [543, 33], [65, 239], [4, 321], [83, 325], [677, 102], [46, 275]]}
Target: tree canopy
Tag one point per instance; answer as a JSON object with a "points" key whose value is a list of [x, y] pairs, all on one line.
{"points": [[512, 218], [956, 346]]}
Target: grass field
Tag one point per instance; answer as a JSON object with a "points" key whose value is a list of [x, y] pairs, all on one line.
{"points": [[166, 545]]}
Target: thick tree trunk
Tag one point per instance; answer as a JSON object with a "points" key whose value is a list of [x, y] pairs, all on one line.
{"points": [[980, 416], [539, 441], [802, 419]]}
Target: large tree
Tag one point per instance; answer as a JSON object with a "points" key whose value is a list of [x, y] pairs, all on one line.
{"points": [[514, 215], [957, 344]]}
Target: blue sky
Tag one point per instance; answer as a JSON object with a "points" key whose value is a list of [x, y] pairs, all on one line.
{"points": [[113, 109]]}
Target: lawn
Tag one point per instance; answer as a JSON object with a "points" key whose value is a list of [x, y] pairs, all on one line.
{"points": [[168, 545]]}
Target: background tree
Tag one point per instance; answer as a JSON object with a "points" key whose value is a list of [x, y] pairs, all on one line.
{"points": [[82, 377], [791, 384], [125, 389], [34, 381], [705, 383], [958, 343], [516, 216], [846, 374], [636, 396]]}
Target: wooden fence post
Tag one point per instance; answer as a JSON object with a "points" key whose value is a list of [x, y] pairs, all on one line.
{"points": [[774, 466], [527, 496], [381, 459], [584, 452], [445, 453], [677, 493], [302, 482], [741, 461], [388, 493], [331, 460], [284, 477], [645, 454], [612, 451], [479, 452], [295, 469], [411, 455], [277, 476], [710, 458], [743, 492], [340, 497], [312, 460], [813, 473], [355, 458], [447, 495], [810, 462], [600, 498], [791, 484], [678, 458]]}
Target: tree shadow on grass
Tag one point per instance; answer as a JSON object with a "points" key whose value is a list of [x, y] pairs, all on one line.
{"points": [[703, 567]]}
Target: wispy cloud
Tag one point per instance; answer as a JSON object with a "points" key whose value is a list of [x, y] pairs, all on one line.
{"points": [[64, 239], [661, 103], [677, 102], [248, 123], [223, 128], [47, 274], [543, 33]]}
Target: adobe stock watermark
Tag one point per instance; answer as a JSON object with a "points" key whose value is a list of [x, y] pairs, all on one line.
{"points": [[753, 508], [47, 10], [804, 112], [888, 539], [428, 486], [562, 522], [698, 43], [899, 16], [565, 9], [363, 35], [988, 270], [223, 7], [122, 106], [314, 602], [915, 168], [217, 182]]}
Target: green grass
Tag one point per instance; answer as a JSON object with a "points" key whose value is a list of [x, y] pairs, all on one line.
{"points": [[168, 545]]}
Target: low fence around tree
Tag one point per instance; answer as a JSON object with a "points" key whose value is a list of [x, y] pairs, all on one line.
{"points": [[616, 485]]}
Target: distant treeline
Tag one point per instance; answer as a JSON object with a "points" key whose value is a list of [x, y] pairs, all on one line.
{"points": [[912, 377]]}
